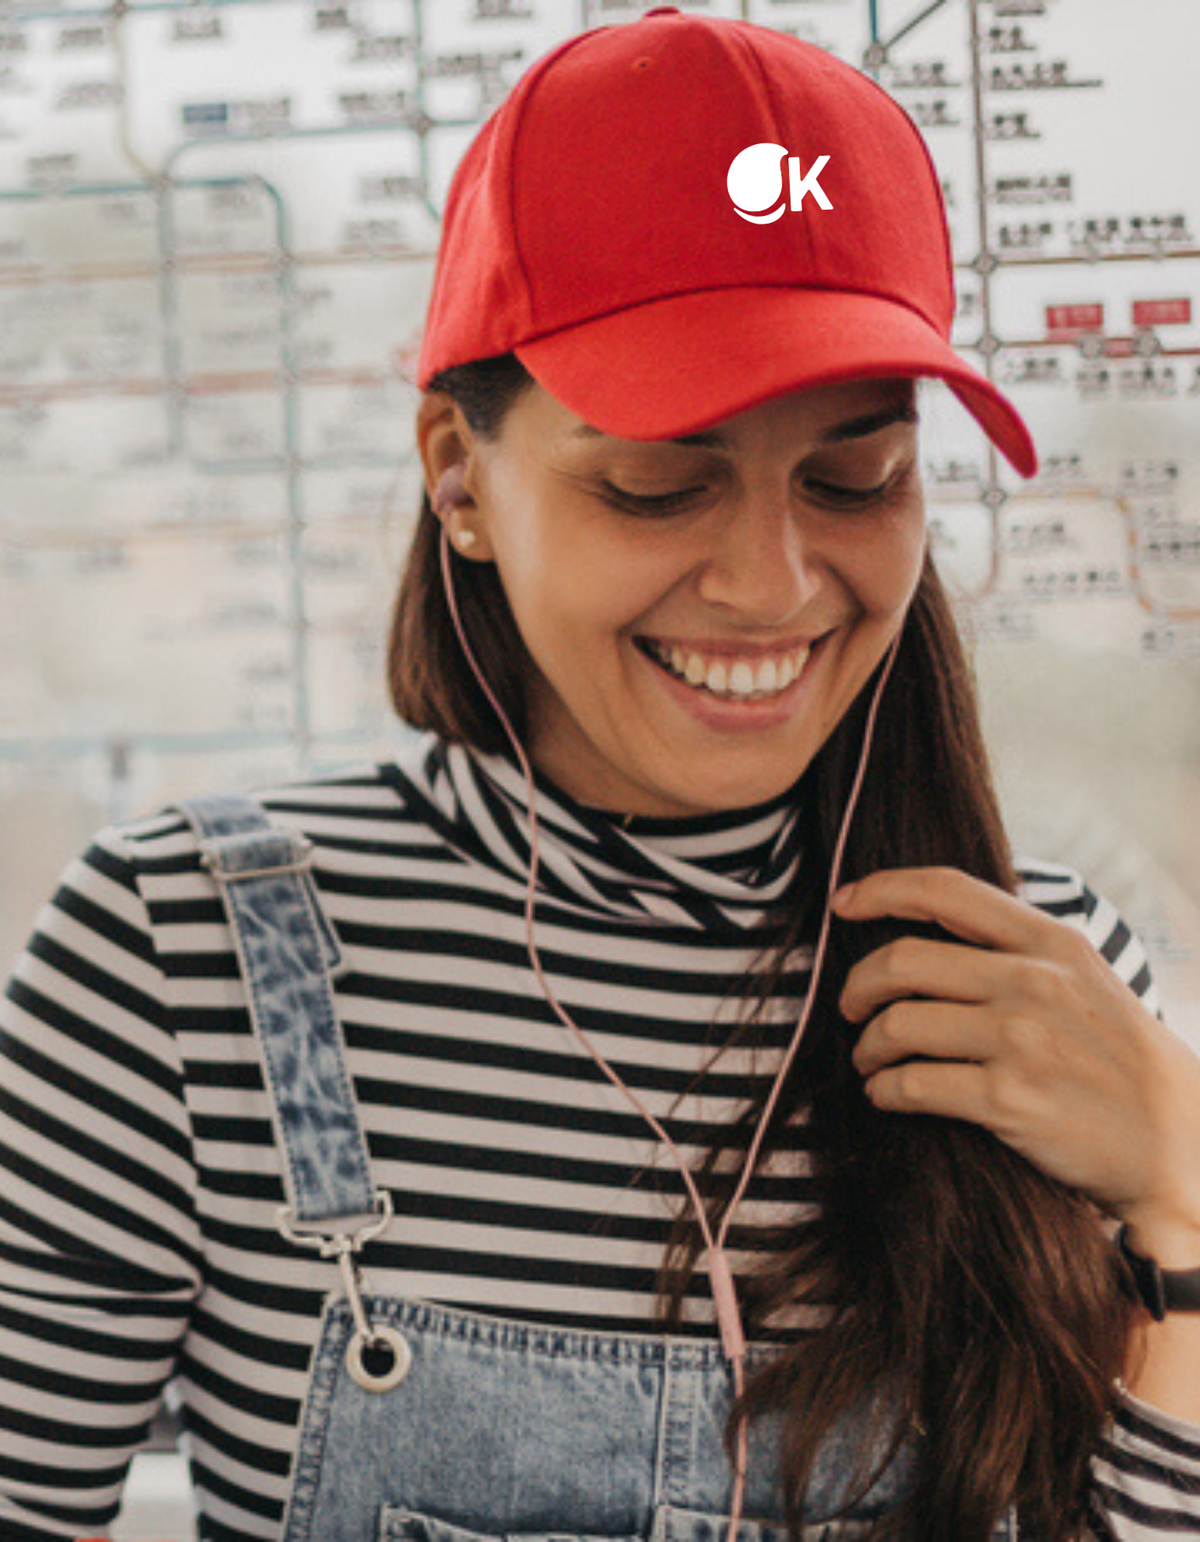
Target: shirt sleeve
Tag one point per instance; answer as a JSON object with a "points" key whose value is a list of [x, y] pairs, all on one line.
{"points": [[1146, 1474], [1146, 1478], [99, 1246]]}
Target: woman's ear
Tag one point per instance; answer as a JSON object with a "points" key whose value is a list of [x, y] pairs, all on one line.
{"points": [[446, 445]]}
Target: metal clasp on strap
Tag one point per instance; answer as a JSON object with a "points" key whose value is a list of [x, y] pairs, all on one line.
{"points": [[377, 1357], [333, 1244]]}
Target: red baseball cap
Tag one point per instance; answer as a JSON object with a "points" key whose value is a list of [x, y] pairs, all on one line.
{"points": [[673, 219]]}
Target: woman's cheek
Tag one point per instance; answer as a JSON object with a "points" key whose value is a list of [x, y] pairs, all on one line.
{"points": [[892, 564]]}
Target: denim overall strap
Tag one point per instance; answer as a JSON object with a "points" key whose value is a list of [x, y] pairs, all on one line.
{"points": [[287, 949]]}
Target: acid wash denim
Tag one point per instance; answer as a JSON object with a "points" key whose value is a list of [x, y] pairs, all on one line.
{"points": [[496, 1429]]}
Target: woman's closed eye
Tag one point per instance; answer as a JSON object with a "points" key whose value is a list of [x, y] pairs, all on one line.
{"points": [[667, 503], [650, 503], [840, 494]]}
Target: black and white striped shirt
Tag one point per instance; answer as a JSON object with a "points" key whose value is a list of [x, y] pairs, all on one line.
{"points": [[140, 1179]]}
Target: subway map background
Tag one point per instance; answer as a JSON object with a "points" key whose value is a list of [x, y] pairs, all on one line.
{"points": [[217, 222]]}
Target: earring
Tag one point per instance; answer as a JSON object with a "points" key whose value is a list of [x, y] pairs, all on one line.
{"points": [[465, 539]]}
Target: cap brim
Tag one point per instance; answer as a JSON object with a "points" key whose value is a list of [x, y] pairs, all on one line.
{"points": [[676, 365]]}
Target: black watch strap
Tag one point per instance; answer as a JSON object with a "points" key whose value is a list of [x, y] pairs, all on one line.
{"points": [[1160, 1290]]}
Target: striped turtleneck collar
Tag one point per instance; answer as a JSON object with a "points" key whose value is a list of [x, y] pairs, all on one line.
{"points": [[718, 870]]}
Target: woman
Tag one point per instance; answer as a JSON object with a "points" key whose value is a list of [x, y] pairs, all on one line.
{"points": [[618, 1034]]}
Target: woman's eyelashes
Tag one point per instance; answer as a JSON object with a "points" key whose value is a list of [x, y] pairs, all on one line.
{"points": [[669, 503], [647, 503], [833, 492]]}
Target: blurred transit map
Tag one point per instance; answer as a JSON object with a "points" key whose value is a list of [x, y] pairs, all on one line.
{"points": [[217, 225]]}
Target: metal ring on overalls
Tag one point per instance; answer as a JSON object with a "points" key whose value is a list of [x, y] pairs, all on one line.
{"points": [[369, 1338], [396, 1347]]}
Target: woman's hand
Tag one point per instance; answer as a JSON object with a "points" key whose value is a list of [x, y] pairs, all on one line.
{"points": [[1029, 1033]]}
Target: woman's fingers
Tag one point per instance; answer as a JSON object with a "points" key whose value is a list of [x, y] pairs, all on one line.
{"points": [[961, 1062], [977, 912], [917, 966], [1017, 955], [950, 1089], [936, 1030]]}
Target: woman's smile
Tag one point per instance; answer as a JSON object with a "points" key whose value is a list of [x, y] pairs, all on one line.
{"points": [[731, 670], [730, 693]]}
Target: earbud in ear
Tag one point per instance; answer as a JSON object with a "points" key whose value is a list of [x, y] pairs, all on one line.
{"points": [[450, 490]]}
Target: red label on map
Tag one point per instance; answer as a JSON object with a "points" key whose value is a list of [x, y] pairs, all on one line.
{"points": [[1074, 318], [1161, 313]]}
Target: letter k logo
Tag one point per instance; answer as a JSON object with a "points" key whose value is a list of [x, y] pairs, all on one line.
{"points": [[797, 187]]}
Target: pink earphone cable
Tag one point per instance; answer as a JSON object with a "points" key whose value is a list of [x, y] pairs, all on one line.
{"points": [[724, 1291]]}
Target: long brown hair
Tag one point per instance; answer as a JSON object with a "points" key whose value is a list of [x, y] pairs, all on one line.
{"points": [[964, 1296]]}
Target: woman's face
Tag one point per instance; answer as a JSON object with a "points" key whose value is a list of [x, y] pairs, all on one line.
{"points": [[700, 613]]}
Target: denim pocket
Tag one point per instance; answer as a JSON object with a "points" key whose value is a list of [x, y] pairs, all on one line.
{"points": [[398, 1525], [671, 1524]]}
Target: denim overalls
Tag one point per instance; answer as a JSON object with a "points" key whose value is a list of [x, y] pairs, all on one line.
{"points": [[423, 1423]]}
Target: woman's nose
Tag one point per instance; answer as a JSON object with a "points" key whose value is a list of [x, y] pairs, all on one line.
{"points": [[763, 563]]}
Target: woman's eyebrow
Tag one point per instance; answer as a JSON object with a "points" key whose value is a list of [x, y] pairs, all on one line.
{"points": [[851, 428], [870, 423]]}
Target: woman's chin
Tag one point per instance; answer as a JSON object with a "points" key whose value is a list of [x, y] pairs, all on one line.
{"points": [[690, 789]]}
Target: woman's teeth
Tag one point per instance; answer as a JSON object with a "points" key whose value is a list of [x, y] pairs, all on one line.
{"points": [[733, 679]]}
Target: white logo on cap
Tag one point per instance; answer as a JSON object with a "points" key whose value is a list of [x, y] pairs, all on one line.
{"points": [[755, 181]]}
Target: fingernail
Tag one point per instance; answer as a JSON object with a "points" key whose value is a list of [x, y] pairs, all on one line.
{"points": [[843, 896]]}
